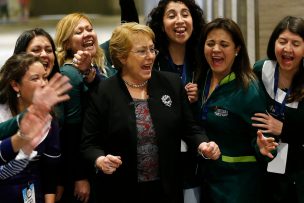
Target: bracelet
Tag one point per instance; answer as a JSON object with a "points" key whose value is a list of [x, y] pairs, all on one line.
{"points": [[201, 153], [22, 135]]}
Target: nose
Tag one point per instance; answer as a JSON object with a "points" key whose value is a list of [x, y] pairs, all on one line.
{"points": [[44, 82], [288, 47], [179, 19], [87, 33], [43, 53], [216, 47]]}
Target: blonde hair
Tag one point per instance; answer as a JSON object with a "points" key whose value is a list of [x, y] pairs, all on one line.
{"points": [[64, 30], [121, 40]]}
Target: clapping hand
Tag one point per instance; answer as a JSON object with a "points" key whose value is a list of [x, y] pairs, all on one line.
{"points": [[209, 150], [108, 164]]}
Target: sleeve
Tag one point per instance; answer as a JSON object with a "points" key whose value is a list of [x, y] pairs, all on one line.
{"points": [[91, 142], [13, 167], [256, 94], [71, 131], [128, 11], [10, 127], [6, 151], [293, 125]]}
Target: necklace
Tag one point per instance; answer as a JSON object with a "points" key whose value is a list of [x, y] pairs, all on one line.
{"points": [[136, 85]]}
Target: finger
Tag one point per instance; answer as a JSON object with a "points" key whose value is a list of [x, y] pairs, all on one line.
{"points": [[263, 115], [260, 135], [258, 119], [260, 125]]}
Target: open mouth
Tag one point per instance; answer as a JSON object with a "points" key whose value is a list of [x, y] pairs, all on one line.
{"points": [[88, 44], [147, 67], [45, 64], [180, 30], [217, 60]]}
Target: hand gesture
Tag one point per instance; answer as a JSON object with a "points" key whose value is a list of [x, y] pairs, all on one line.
{"points": [[33, 128], [82, 60], [54, 92], [266, 144], [108, 164], [192, 92], [267, 123], [209, 150]]}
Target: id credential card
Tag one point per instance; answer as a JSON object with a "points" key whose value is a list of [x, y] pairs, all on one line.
{"points": [[278, 164]]}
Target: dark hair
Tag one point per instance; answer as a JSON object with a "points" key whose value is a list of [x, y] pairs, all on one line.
{"points": [[24, 40], [14, 69], [155, 22], [241, 65], [296, 26]]}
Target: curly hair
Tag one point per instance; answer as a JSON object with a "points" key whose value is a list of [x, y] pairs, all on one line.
{"points": [[155, 22]]}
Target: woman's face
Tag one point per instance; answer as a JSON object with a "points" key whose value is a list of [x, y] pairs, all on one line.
{"points": [[289, 50], [138, 65], [34, 77], [220, 51], [41, 46], [84, 38], [177, 22]]}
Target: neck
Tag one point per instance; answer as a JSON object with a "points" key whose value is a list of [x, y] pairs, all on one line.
{"points": [[21, 106], [177, 53], [285, 78], [136, 85]]}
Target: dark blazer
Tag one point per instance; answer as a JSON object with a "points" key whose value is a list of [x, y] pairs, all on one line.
{"points": [[110, 128]]}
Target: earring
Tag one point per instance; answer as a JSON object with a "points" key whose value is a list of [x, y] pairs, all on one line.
{"points": [[18, 95], [236, 54]]}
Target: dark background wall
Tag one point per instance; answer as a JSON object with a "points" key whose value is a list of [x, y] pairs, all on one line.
{"points": [[51, 7]]}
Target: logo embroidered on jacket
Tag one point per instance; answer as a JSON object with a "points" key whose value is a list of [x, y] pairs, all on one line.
{"points": [[221, 112]]}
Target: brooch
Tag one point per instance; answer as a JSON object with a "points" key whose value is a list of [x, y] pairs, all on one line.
{"points": [[166, 100]]}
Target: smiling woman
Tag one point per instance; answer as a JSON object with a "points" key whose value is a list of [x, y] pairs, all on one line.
{"points": [[82, 60], [39, 43], [136, 151]]}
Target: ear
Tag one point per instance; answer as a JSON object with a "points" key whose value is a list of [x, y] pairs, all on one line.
{"points": [[15, 86], [237, 50], [123, 60]]}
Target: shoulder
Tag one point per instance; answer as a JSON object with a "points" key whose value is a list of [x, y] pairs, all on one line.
{"points": [[261, 64], [71, 72], [166, 76]]}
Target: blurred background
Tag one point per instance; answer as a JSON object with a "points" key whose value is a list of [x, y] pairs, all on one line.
{"points": [[257, 18]]}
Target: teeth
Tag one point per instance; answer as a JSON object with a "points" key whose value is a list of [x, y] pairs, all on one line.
{"points": [[180, 29], [88, 43]]}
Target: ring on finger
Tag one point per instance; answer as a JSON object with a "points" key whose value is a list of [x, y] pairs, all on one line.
{"points": [[74, 61]]}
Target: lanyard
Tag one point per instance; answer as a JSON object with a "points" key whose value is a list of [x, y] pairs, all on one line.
{"points": [[279, 108], [183, 73], [205, 100]]}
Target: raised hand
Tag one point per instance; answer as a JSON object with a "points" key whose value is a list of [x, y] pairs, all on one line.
{"points": [[54, 92], [82, 60], [266, 144], [192, 92]]}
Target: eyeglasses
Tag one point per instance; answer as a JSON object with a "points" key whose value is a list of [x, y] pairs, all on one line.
{"points": [[144, 52]]}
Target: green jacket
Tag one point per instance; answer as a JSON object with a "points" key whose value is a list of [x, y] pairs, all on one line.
{"points": [[229, 109]]}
